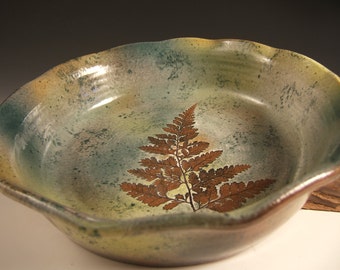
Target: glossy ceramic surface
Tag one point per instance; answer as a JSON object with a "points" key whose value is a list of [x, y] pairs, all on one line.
{"points": [[172, 153]]}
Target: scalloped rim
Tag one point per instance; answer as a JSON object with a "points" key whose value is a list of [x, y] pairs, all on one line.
{"points": [[231, 220]]}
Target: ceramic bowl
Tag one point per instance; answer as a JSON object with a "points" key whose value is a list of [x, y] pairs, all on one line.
{"points": [[172, 153]]}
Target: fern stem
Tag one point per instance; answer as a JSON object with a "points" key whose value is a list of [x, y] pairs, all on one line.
{"points": [[186, 182]]}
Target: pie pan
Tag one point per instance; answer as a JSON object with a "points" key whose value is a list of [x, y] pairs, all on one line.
{"points": [[172, 153]]}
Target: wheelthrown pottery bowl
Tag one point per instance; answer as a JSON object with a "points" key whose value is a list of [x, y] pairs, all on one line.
{"points": [[172, 153]]}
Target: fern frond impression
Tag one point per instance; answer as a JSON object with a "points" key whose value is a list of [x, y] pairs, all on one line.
{"points": [[180, 177]]}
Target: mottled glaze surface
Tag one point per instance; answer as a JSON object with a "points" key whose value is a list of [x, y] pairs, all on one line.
{"points": [[71, 138]]}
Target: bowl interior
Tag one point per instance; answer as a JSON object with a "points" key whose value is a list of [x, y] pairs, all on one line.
{"points": [[174, 126]]}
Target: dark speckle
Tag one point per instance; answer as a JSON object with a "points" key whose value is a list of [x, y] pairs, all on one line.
{"points": [[82, 228], [95, 233]]}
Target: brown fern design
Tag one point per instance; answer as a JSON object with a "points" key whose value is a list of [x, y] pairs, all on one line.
{"points": [[180, 177]]}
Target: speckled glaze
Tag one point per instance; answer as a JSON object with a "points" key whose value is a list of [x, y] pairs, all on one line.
{"points": [[69, 138]]}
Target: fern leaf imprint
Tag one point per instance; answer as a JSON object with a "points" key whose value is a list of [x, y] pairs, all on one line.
{"points": [[177, 174]]}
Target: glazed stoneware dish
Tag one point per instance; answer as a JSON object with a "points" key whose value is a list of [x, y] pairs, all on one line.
{"points": [[172, 153]]}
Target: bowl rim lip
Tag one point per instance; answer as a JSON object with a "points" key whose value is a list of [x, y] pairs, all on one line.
{"points": [[222, 220], [172, 40], [259, 210]]}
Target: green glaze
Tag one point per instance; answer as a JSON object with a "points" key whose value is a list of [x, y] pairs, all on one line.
{"points": [[69, 138]]}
